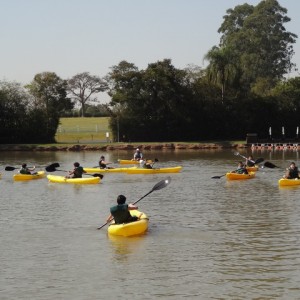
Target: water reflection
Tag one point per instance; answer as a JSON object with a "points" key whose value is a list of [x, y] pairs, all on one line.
{"points": [[125, 247]]}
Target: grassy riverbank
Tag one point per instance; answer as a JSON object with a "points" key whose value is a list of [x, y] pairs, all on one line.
{"points": [[77, 134]]}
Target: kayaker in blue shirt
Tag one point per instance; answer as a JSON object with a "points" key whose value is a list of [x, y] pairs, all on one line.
{"points": [[26, 170], [120, 213], [76, 172], [292, 172]]}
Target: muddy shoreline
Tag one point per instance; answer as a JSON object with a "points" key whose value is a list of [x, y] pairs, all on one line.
{"points": [[125, 147]]}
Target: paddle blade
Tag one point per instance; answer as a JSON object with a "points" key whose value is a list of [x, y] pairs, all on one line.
{"points": [[259, 160], [218, 177], [268, 164], [98, 175], [52, 167], [8, 168], [162, 184]]}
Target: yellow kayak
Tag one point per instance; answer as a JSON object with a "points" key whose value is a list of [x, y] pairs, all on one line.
{"points": [[153, 171], [128, 162], [131, 161], [98, 170], [288, 182], [83, 180], [132, 228], [236, 176], [23, 177], [252, 169]]}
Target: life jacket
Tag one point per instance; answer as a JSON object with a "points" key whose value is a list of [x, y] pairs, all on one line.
{"points": [[241, 171], [121, 214], [78, 171], [24, 171], [101, 164], [293, 173]]}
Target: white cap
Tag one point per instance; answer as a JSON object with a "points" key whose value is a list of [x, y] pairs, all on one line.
{"points": [[137, 149]]}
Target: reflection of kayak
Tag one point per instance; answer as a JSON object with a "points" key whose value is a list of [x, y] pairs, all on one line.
{"points": [[98, 170], [252, 169], [236, 176], [83, 180], [132, 228], [128, 162], [288, 182], [153, 171], [21, 177]]}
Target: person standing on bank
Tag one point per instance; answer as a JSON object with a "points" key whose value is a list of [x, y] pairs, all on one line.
{"points": [[120, 212], [76, 172], [138, 155]]}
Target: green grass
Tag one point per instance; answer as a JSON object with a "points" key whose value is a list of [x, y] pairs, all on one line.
{"points": [[83, 130]]}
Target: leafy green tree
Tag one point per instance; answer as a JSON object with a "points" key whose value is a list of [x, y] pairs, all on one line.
{"points": [[261, 46], [83, 87], [221, 69], [14, 113], [49, 100], [149, 104]]}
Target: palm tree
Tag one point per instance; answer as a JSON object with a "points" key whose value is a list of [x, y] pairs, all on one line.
{"points": [[221, 68]]}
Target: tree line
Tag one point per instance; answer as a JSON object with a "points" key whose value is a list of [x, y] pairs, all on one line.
{"points": [[243, 89]]}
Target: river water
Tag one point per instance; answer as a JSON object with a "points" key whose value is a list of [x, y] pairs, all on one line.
{"points": [[207, 239]]}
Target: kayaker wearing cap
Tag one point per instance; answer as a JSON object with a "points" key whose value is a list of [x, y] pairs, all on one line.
{"points": [[120, 213], [77, 171], [26, 170], [138, 155]]}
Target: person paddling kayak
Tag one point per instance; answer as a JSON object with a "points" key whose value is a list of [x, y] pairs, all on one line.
{"points": [[103, 164], [120, 212], [76, 172], [26, 170]]}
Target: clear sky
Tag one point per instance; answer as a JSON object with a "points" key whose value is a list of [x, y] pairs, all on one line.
{"points": [[73, 36]]}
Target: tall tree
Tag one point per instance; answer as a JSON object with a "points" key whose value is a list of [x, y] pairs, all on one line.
{"points": [[261, 45], [83, 87], [221, 69], [50, 99], [14, 113]]}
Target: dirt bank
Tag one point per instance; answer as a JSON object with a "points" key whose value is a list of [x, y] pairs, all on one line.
{"points": [[126, 147]]}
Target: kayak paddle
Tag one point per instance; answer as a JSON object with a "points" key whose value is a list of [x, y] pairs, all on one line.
{"points": [[9, 168], [257, 161]]}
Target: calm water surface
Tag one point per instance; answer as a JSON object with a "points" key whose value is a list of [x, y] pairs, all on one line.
{"points": [[207, 239]]}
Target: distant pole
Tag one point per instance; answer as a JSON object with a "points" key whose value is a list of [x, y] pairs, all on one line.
{"points": [[297, 131], [118, 128], [270, 132], [283, 131]]}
